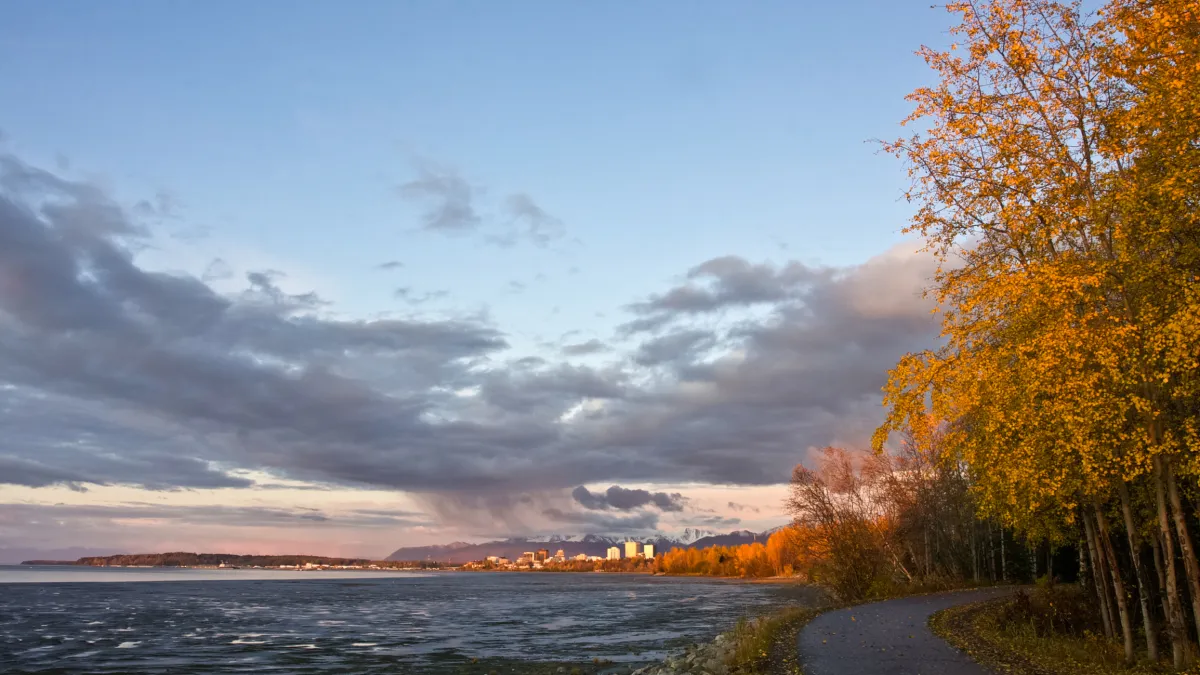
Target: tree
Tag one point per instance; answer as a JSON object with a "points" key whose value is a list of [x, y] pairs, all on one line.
{"points": [[838, 503], [1057, 183]]}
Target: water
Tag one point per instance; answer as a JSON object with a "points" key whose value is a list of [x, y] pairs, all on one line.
{"points": [[234, 621]]}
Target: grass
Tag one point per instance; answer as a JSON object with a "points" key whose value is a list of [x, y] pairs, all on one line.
{"points": [[987, 631], [767, 645]]}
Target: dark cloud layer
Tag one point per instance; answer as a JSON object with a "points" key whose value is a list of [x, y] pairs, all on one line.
{"points": [[625, 499], [113, 373], [17, 517], [594, 521]]}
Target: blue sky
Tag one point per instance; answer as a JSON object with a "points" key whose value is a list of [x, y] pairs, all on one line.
{"points": [[660, 135]]}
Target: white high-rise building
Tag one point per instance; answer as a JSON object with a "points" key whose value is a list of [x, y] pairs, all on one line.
{"points": [[631, 549], [648, 550], [614, 553]]}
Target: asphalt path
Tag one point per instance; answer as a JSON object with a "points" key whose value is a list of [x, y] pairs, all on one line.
{"points": [[891, 637]]}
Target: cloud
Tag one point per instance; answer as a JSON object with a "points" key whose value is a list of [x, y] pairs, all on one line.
{"points": [[713, 522], [151, 370], [720, 283], [223, 516], [15, 556], [217, 270], [114, 373], [452, 206], [592, 346], [532, 220], [734, 506], [677, 348], [47, 530], [407, 294], [447, 197], [624, 499], [548, 392], [390, 265], [592, 521]]}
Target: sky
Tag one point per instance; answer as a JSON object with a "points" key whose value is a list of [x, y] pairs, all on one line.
{"points": [[305, 277]]}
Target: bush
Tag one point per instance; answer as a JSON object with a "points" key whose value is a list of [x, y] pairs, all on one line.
{"points": [[1051, 609]]}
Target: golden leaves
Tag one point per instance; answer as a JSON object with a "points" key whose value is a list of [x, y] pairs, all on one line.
{"points": [[1059, 184]]}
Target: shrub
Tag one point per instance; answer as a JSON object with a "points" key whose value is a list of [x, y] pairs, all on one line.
{"points": [[1051, 609]]}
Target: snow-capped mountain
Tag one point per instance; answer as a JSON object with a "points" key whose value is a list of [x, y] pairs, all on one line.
{"points": [[590, 544], [693, 534]]}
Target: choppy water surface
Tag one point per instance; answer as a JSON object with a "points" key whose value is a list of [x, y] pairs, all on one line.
{"points": [[364, 622]]}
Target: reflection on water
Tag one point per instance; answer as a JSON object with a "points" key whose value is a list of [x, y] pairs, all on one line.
{"points": [[354, 622]]}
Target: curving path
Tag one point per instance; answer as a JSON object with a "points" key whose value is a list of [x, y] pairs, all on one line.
{"points": [[891, 637]]}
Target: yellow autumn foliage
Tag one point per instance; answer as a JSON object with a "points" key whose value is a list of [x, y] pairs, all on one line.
{"points": [[1056, 176]]}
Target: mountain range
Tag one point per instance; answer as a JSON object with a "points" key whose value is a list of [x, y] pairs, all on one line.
{"points": [[590, 544]]}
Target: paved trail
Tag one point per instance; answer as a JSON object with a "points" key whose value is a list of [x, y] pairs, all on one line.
{"points": [[888, 638]]}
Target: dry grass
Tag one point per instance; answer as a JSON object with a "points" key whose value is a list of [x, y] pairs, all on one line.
{"points": [[994, 635], [767, 645]]}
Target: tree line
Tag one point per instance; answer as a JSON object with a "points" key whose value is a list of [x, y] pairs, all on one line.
{"points": [[746, 560]]}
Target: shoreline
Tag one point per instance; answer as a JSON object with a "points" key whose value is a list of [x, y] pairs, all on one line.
{"points": [[783, 581]]}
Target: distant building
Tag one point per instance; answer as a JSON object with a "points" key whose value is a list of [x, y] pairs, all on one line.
{"points": [[560, 555], [542, 554], [648, 551], [502, 561], [614, 553], [631, 549], [581, 557], [528, 556], [596, 558], [494, 559]]}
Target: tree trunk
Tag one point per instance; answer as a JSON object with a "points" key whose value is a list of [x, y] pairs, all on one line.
{"points": [[1098, 575], [974, 554], [1118, 585], [928, 559], [1084, 569], [1190, 566], [991, 553], [1003, 561], [1179, 643], [1033, 562], [1135, 553], [1178, 654]]}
